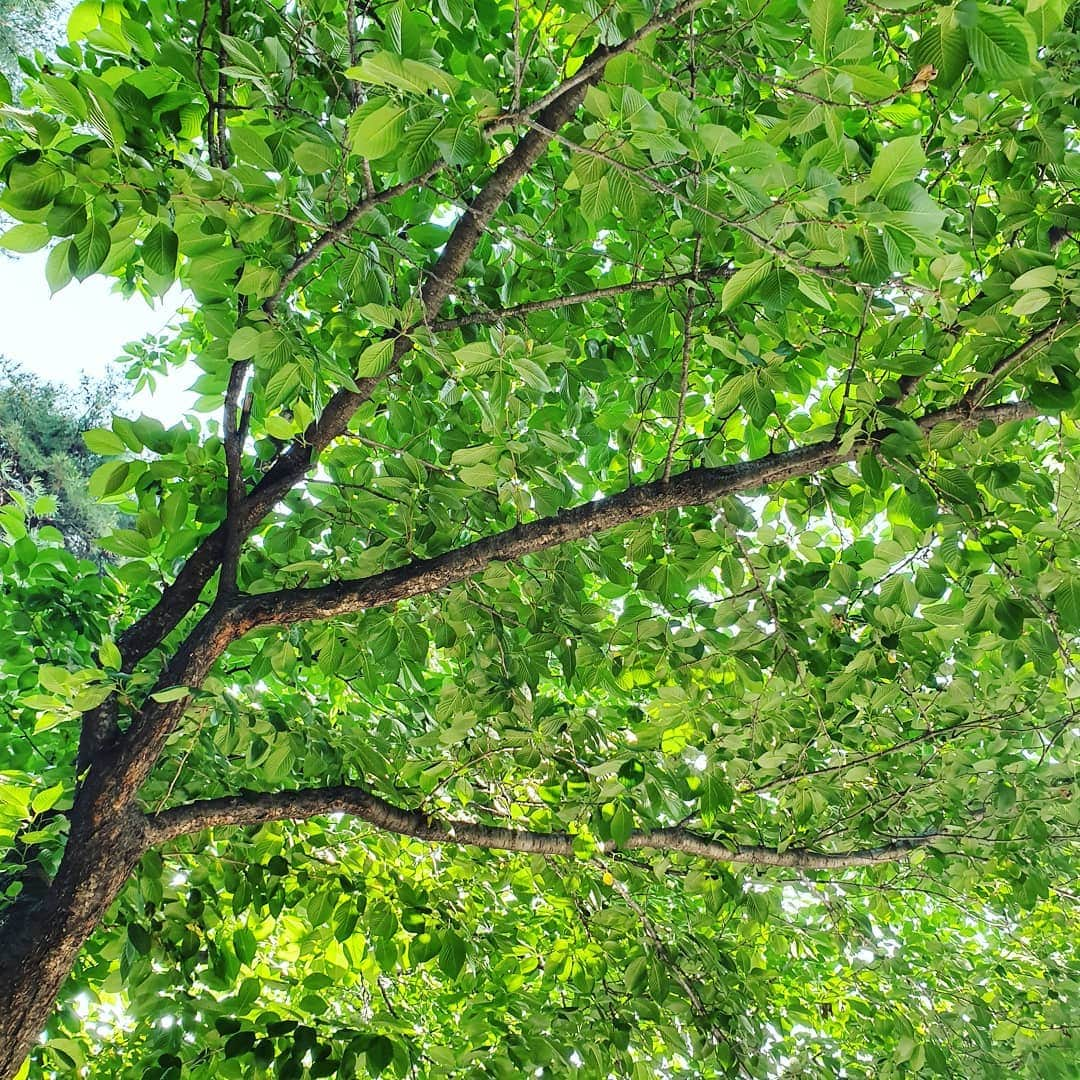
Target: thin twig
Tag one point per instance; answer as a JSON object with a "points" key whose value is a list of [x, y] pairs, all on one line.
{"points": [[687, 341], [529, 307], [222, 89]]}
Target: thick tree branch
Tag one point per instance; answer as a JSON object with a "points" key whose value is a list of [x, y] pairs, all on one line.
{"points": [[178, 598], [235, 420], [257, 809], [222, 88], [695, 487], [554, 303], [977, 394], [219, 627], [129, 762], [99, 727]]}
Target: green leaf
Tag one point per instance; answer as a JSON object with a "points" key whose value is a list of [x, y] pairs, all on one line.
{"points": [[595, 200], [47, 799], [159, 250], [942, 47], [479, 476], [59, 267], [248, 145], [1033, 300], [33, 186], [1067, 602], [244, 343], [741, 285], [380, 1053], [110, 656], [315, 157], [759, 402], [239, 1044], [621, 824], [139, 939], [244, 945], [379, 132], [898, 161], [127, 542], [213, 276], [451, 954], [376, 359], [459, 143], [172, 693], [104, 442], [1040, 277], [406, 75], [282, 384], [25, 238], [826, 18], [244, 55], [476, 357], [91, 247], [53, 678], [474, 455], [65, 95], [998, 45], [110, 479], [871, 472], [402, 30], [532, 373], [946, 435]]}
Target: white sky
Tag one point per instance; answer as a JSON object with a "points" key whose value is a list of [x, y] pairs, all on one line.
{"points": [[84, 327]]}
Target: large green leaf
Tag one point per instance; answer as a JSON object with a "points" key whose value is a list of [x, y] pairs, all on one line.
{"points": [[998, 44], [377, 133], [159, 249], [897, 162]]}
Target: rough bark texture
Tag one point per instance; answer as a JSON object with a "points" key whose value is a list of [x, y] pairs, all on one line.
{"points": [[358, 803], [179, 597], [695, 487], [42, 936], [40, 940]]}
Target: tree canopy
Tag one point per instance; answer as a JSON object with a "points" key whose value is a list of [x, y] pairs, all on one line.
{"points": [[614, 610]]}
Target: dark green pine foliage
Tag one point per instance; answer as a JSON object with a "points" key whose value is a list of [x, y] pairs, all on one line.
{"points": [[44, 461]]}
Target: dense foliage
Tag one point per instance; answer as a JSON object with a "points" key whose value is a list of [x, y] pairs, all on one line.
{"points": [[616, 609], [26, 25], [43, 455]]}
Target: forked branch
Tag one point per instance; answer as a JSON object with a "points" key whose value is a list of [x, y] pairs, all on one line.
{"points": [[557, 107]]}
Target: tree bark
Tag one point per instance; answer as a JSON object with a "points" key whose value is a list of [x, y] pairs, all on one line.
{"points": [[298, 805], [41, 936]]}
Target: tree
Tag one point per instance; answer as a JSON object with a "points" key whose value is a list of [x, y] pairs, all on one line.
{"points": [[24, 26], [618, 614], [43, 456]]}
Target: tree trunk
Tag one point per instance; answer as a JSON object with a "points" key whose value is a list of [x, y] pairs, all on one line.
{"points": [[42, 934]]}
